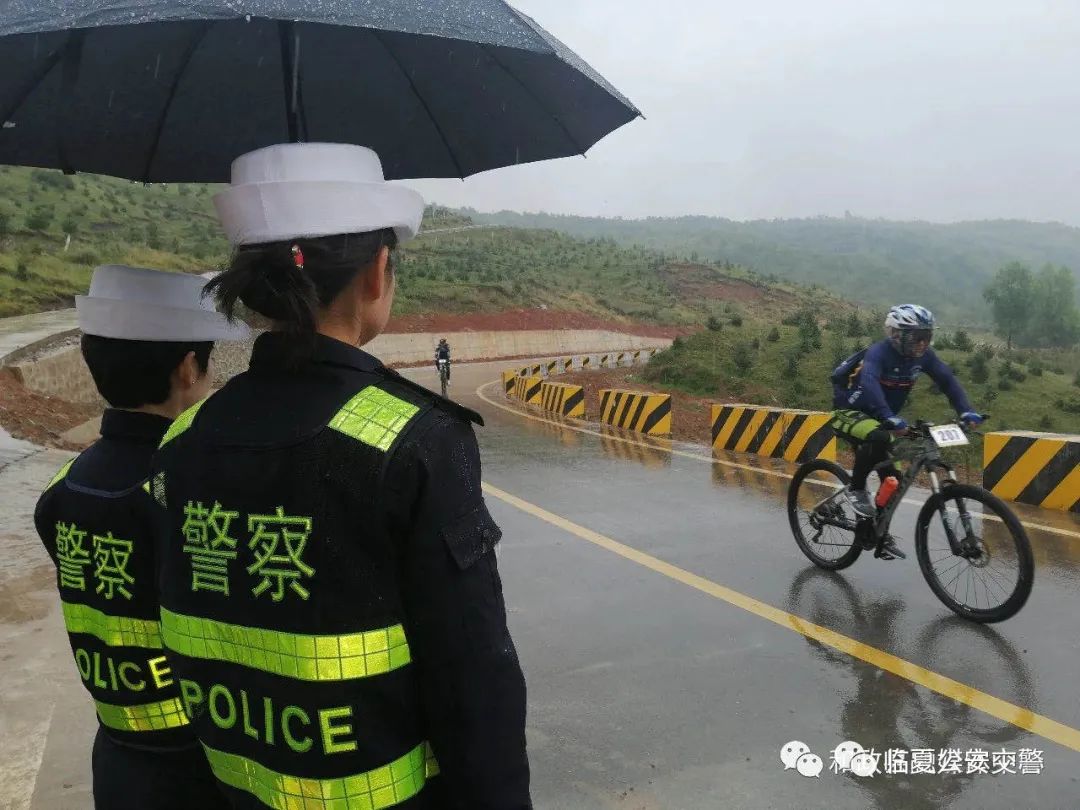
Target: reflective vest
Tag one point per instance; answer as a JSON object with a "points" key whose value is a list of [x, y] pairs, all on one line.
{"points": [[102, 545], [281, 608]]}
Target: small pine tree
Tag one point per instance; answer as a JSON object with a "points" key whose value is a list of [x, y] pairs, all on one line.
{"points": [[743, 359], [979, 370], [773, 336]]}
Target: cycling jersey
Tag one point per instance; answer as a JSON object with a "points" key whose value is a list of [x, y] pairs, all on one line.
{"points": [[877, 380]]}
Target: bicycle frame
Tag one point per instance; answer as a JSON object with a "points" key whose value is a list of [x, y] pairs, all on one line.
{"points": [[920, 453]]}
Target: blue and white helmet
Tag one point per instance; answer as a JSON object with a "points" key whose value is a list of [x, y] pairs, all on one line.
{"points": [[909, 324]]}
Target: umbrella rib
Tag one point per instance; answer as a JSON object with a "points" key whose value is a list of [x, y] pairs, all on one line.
{"points": [[423, 103], [487, 49], [194, 46], [32, 84]]}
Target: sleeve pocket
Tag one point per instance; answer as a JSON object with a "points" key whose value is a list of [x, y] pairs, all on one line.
{"points": [[471, 536]]}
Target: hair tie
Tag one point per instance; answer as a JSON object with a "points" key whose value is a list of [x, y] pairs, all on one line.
{"points": [[298, 257]]}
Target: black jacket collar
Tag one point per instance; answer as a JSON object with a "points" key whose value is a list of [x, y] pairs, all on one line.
{"points": [[271, 352], [133, 426]]}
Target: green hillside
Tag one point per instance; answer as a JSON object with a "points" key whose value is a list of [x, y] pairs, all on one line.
{"points": [[54, 229], [872, 261], [788, 365]]}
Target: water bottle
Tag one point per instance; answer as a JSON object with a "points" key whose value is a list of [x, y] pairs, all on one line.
{"points": [[886, 490]]}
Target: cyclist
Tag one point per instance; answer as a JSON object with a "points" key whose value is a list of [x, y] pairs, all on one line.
{"points": [[871, 386], [442, 353]]}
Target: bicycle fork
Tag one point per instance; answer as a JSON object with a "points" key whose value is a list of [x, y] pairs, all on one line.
{"points": [[960, 548]]}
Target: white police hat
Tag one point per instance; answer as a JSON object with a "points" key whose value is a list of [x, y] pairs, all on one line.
{"points": [[298, 190], [135, 303]]}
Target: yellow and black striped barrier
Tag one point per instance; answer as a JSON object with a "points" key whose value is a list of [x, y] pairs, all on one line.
{"points": [[587, 363], [567, 364], [527, 389], [565, 400], [551, 366], [775, 432], [607, 360], [508, 379], [1042, 469], [636, 410]]}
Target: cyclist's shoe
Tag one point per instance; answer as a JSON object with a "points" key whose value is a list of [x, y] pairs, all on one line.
{"points": [[860, 502], [889, 550]]}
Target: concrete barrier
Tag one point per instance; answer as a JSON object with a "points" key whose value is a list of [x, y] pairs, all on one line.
{"points": [[1042, 469], [58, 370], [563, 399], [640, 411], [785, 433], [508, 378], [527, 390]]}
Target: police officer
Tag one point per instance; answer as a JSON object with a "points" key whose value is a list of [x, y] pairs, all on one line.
{"points": [[147, 338], [330, 595]]}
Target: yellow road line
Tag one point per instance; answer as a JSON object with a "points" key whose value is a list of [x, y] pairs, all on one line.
{"points": [[942, 684], [710, 460]]}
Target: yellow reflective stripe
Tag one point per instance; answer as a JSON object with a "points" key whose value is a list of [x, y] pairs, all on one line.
{"points": [[146, 717], [374, 417], [383, 787], [306, 658], [115, 631], [60, 475], [182, 423], [146, 487]]}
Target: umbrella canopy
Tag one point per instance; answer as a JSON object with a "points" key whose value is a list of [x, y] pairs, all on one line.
{"points": [[174, 90]]}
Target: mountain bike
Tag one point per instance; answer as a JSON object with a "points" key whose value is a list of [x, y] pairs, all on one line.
{"points": [[971, 548], [444, 375]]}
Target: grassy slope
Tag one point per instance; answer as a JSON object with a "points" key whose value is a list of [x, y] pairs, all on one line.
{"points": [[705, 364], [474, 270]]}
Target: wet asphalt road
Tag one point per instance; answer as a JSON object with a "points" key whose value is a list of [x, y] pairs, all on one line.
{"points": [[645, 691]]}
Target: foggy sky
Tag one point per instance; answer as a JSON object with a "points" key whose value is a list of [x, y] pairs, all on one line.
{"points": [[907, 109]]}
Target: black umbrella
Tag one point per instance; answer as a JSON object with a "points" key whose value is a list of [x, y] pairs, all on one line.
{"points": [[174, 90]]}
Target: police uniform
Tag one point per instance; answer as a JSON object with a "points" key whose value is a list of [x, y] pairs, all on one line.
{"points": [[96, 520], [330, 596]]}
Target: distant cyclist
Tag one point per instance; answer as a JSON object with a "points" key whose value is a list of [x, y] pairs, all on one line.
{"points": [[871, 386], [442, 354]]}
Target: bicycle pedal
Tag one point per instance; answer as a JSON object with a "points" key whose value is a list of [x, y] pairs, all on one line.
{"points": [[890, 553]]}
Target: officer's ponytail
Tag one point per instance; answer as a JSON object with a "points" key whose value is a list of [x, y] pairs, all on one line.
{"points": [[289, 282]]}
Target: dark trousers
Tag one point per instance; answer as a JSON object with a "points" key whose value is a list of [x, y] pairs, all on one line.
{"points": [[868, 454], [128, 778]]}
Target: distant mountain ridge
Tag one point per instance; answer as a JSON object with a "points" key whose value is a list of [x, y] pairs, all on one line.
{"points": [[871, 261]]}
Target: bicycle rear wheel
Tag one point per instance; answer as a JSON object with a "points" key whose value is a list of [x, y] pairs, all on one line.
{"points": [[443, 379], [822, 519], [992, 579]]}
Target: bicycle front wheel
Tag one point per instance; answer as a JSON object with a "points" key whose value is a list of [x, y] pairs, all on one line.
{"points": [[991, 579], [822, 519]]}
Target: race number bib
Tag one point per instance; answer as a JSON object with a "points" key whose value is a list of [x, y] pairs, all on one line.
{"points": [[948, 436]]}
